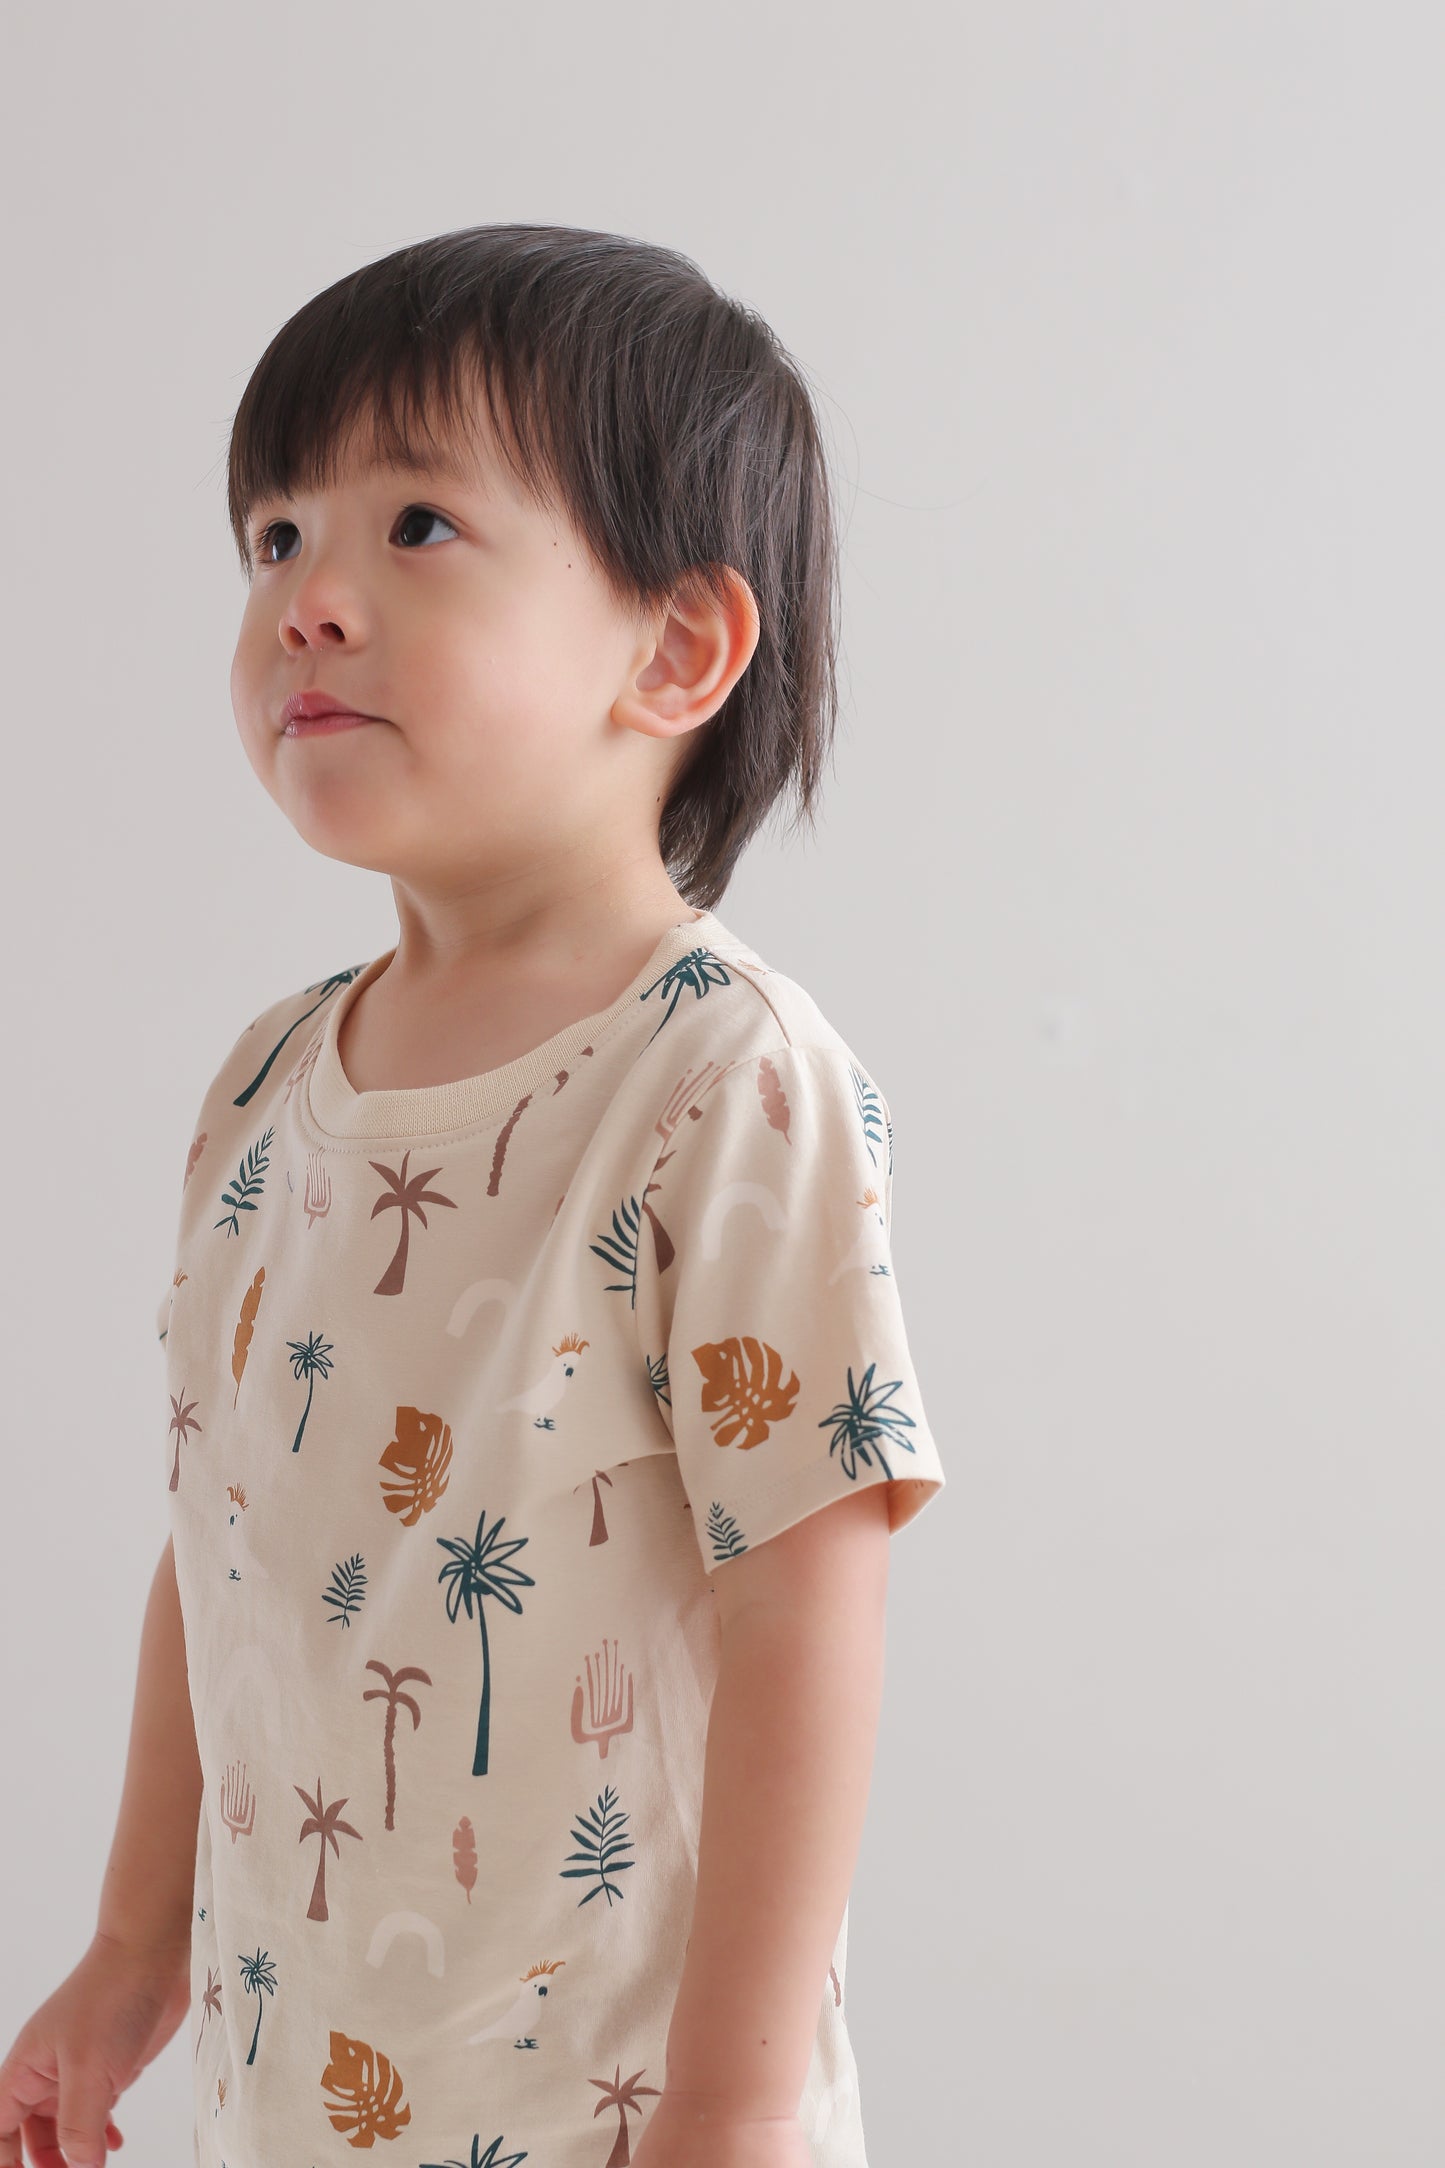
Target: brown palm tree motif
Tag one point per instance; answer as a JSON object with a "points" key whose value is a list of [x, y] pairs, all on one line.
{"points": [[406, 1195], [393, 1700], [181, 1421], [620, 2093], [322, 1822], [210, 2001], [599, 1518]]}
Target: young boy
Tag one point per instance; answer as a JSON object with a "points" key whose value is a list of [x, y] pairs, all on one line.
{"points": [[507, 1700]]}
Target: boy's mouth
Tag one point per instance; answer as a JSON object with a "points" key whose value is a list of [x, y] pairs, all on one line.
{"points": [[306, 713]]}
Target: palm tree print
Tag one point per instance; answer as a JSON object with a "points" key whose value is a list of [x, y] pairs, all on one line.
{"points": [[490, 2159], [394, 1700], [246, 1184], [322, 1822], [699, 969], [621, 2093], [479, 1569], [308, 1357], [181, 1421], [325, 987], [866, 1419], [210, 2001], [406, 1196], [257, 1973]]}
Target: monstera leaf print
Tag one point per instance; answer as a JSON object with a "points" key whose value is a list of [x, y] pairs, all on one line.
{"points": [[420, 1457], [368, 2091], [744, 1378]]}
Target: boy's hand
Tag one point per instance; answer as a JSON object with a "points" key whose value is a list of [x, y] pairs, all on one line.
{"points": [[92, 2038], [684, 2132]]}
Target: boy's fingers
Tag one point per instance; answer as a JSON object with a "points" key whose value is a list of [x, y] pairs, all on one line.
{"points": [[24, 2092], [85, 2104]]}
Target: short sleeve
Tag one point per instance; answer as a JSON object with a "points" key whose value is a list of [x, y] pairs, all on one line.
{"points": [[767, 1304]]}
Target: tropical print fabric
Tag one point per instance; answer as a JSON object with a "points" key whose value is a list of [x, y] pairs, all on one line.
{"points": [[473, 1391]]}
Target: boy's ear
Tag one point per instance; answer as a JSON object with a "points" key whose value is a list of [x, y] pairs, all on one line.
{"points": [[685, 666]]}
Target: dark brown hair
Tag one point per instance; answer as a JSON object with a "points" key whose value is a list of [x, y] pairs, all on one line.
{"points": [[665, 418]]}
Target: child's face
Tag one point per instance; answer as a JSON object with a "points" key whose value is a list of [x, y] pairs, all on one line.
{"points": [[529, 727]]}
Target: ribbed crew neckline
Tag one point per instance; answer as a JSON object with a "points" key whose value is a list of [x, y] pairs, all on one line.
{"points": [[336, 1111]]}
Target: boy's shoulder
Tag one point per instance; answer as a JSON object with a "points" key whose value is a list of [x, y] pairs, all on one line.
{"points": [[729, 1005]]}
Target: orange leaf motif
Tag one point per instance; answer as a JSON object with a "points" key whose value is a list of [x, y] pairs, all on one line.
{"points": [[245, 1326], [744, 1377], [464, 1855], [368, 2092], [420, 1455], [774, 1098]]}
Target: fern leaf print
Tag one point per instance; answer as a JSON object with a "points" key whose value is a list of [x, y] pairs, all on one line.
{"points": [[247, 1184], [601, 1836], [723, 1532], [347, 1592], [870, 1111]]}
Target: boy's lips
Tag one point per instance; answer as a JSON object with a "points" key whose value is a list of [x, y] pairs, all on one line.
{"points": [[306, 713], [303, 726]]}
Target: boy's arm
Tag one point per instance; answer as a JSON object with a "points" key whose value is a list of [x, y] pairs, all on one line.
{"points": [[789, 1757], [145, 1898]]}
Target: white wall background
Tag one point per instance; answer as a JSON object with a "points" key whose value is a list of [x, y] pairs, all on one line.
{"points": [[1130, 324]]}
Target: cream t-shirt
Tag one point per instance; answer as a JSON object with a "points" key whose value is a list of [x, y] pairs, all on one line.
{"points": [[474, 1390]]}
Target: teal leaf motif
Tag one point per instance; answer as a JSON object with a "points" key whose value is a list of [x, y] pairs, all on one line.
{"points": [[698, 969], [725, 1535], [325, 987], [867, 1420], [870, 1111], [247, 1184], [490, 2159], [619, 1249], [601, 1836], [658, 1379], [347, 1592]]}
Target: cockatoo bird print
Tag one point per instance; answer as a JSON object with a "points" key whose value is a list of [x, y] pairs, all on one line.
{"points": [[538, 1400], [516, 2022], [870, 1252], [243, 1564]]}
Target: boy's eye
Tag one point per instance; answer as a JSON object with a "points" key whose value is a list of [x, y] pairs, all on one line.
{"points": [[277, 529]]}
